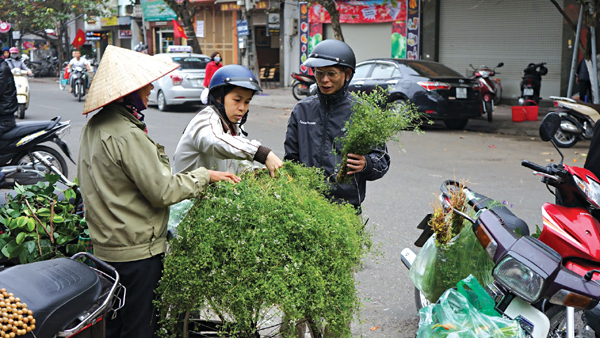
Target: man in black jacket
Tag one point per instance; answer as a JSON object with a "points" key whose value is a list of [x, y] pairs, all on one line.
{"points": [[8, 98], [316, 121]]}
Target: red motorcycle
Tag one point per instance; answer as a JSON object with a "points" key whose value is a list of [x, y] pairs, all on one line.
{"points": [[303, 85], [491, 89]]}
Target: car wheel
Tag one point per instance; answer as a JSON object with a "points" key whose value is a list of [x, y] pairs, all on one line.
{"points": [[456, 124], [161, 101]]}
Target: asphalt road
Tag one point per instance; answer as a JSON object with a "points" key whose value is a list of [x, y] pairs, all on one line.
{"points": [[394, 205]]}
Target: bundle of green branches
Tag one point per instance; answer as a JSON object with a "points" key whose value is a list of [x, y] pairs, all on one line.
{"points": [[263, 244], [453, 253], [373, 123]]}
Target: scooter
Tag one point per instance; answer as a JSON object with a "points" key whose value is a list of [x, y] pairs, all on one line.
{"points": [[578, 120], [491, 90], [63, 297], [558, 285], [19, 144], [303, 85], [78, 82], [22, 84], [532, 83]]}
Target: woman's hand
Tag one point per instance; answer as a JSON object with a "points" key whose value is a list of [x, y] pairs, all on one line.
{"points": [[216, 176], [273, 163], [355, 163]]}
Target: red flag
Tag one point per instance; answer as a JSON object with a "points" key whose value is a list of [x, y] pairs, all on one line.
{"points": [[79, 39], [178, 31]]}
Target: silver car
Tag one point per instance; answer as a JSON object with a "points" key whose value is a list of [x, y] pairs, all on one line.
{"points": [[183, 85]]}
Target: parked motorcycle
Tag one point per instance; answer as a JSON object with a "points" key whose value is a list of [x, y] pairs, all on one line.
{"points": [[578, 121], [66, 297], [532, 83], [17, 146], [78, 82], [47, 67], [22, 84], [303, 85], [491, 90], [548, 287]]}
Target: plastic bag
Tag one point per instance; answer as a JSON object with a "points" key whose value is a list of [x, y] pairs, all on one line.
{"points": [[204, 96], [456, 316], [177, 213], [438, 267]]}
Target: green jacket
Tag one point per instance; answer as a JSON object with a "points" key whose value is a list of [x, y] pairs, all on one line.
{"points": [[127, 186]]}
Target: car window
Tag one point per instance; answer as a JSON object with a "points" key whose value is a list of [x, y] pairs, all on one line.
{"points": [[431, 69], [362, 71], [191, 62], [383, 70]]}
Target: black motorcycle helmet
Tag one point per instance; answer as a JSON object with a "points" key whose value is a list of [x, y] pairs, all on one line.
{"points": [[332, 52]]}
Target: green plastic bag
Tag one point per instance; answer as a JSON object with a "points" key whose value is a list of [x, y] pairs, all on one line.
{"points": [[438, 267], [177, 213], [454, 315]]}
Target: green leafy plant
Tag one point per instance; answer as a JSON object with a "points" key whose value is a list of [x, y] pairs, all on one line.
{"points": [[262, 245], [38, 224], [373, 123]]}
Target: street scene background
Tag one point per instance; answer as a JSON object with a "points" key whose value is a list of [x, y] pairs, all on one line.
{"points": [[486, 155]]}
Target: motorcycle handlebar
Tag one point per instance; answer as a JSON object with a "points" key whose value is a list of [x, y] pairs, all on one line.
{"points": [[536, 167]]}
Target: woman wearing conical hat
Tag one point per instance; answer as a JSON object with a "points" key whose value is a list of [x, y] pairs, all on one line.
{"points": [[127, 185]]}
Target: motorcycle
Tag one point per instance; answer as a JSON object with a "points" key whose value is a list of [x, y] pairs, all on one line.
{"points": [[491, 90], [578, 121], [549, 287], [532, 83], [64, 297], [22, 84], [47, 67], [78, 82], [303, 85], [19, 145]]}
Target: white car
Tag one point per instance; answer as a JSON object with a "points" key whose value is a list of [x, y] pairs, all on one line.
{"points": [[182, 86]]}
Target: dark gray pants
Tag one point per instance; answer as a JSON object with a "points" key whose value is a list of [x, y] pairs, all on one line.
{"points": [[138, 319]]}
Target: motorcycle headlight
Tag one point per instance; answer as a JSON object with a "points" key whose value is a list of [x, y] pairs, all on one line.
{"points": [[16, 72], [591, 189], [519, 278], [484, 73]]}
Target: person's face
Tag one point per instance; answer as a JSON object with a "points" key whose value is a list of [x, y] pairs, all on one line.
{"points": [[77, 55], [330, 79], [6, 54], [145, 93], [237, 102]]}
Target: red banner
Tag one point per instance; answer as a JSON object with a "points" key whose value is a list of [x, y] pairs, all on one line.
{"points": [[353, 13]]}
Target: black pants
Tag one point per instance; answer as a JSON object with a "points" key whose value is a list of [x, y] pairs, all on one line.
{"points": [[138, 319], [585, 90]]}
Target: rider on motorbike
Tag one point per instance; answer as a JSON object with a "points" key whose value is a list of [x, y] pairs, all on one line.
{"points": [[6, 52], [78, 61], [15, 62]]}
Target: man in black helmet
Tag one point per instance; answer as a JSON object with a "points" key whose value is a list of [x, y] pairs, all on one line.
{"points": [[316, 121]]}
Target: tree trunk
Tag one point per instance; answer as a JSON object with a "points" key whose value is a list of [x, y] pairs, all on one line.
{"points": [[334, 14], [186, 11]]}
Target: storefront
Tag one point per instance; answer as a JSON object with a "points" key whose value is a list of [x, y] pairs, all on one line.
{"points": [[515, 32], [216, 29]]}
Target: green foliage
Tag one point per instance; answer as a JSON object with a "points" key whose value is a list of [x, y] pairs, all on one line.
{"points": [[373, 123], [261, 244], [36, 225]]}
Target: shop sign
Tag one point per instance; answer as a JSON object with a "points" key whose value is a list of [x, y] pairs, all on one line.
{"points": [[273, 23], [93, 36], [303, 22], [232, 6], [412, 26], [124, 20], [242, 27], [109, 21], [360, 12], [157, 10], [124, 34]]}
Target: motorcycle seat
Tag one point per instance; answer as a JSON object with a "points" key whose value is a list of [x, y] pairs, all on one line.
{"points": [[57, 291], [25, 128], [510, 220], [596, 107]]}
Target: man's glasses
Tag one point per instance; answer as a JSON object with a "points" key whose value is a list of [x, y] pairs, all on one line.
{"points": [[319, 74]]}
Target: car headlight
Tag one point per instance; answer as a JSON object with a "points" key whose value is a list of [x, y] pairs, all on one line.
{"points": [[591, 189], [519, 278]]}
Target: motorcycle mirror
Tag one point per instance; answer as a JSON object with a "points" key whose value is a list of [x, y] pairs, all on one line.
{"points": [[500, 65], [549, 126]]}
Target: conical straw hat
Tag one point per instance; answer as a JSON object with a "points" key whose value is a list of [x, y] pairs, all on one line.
{"points": [[121, 72]]}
